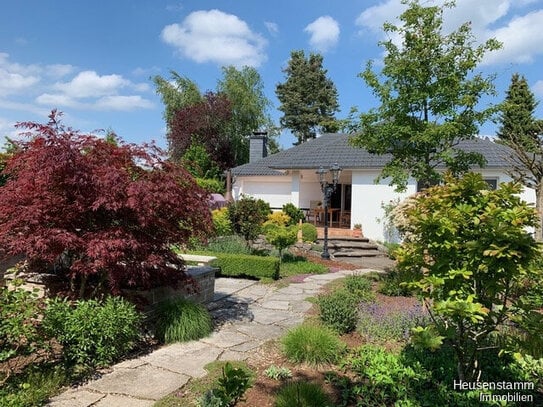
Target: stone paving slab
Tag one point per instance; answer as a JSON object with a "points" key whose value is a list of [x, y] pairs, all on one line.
{"points": [[76, 398], [267, 316], [274, 304], [112, 400], [190, 364], [248, 313], [261, 332], [146, 382], [226, 338]]}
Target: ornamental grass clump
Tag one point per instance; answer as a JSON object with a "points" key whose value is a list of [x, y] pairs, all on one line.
{"points": [[313, 344], [181, 320], [302, 394]]}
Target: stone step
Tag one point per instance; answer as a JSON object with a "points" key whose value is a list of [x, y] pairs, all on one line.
{"points": [[344, 245], [357, 253]]}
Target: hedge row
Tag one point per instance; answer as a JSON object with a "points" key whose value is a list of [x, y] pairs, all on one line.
{"points": [[245, 265]]}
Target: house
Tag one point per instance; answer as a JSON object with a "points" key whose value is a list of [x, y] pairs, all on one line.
{"points": [[290, 176]]}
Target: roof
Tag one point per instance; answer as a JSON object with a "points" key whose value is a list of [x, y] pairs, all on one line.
{"points": [[335, 148]]}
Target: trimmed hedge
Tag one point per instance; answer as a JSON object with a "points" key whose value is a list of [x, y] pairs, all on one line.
{"points": [[245, 265]]}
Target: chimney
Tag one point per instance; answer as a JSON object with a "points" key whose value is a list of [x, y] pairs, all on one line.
{"points": [[258, 146]]}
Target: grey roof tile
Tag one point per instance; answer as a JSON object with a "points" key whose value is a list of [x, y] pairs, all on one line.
{"points": [[335, 148]]}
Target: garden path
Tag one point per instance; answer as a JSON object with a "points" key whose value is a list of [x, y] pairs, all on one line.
{"points": [[247, 315]]}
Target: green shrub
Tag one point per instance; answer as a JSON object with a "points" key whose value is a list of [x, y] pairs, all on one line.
{"points": [[245, 265], [302, 394], [360, 287], [231, 387], [181, 320], [338, 311], [281, 237], [247, 216], [93, 333], [295, 214], [382, 378], [19, 329], [313, 344], [394, 283], [229, 244], [211, 185], [221, 222], [309, 232]]}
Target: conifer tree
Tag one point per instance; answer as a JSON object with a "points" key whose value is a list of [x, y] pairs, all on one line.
{"points": [[521, 131], [308, 97]]}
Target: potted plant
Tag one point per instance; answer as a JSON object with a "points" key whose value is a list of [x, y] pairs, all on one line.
{"points": [[357, 230]]}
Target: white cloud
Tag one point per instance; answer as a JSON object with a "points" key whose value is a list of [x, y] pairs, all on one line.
{"points": [[15, 77], [273, 28], [324, 33], [538, 89], [124, 103], [59, 70], [215, 36], [89, 90], [90, 84], [521, 35], [50, 99]]}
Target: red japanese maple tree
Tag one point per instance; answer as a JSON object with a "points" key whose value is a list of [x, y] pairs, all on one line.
{"points": [[96, 212], [206, 123]]}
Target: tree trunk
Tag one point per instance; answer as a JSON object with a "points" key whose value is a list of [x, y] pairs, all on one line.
{"points": [[539, 208]]}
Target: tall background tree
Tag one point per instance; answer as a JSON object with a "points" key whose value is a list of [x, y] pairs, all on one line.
{"points": [[429, 96], [521, 131], [308, 97], [222, 120]]}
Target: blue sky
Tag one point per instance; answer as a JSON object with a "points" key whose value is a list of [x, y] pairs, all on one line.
{"points": [[93, 60]]}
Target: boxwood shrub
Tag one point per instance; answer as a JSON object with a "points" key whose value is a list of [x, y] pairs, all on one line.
{"points": [[245, 265]]}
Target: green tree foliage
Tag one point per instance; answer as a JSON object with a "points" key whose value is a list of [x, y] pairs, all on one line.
{"points": [[429, 95], [520, 130], [469, 251], [247, 216], [244, 89], [282, 237], [198, 162], [231, 113], [308, 97], [177, 93]]}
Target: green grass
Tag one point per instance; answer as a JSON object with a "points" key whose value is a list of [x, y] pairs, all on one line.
{"points": [[34, 387], [313, 344], [197, 387], [181, 320], [295, 265], [302, 394]]}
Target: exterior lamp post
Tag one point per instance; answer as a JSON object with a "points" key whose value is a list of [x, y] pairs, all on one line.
{"points": [[327, 190]]}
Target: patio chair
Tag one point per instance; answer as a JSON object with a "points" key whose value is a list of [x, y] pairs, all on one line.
{"points": [[312, 214]]}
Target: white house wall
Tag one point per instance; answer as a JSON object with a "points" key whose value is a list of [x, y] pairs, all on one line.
{"points": [[274, 190], [367, 199]]}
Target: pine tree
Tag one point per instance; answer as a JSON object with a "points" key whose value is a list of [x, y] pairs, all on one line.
{"points": [[308, 97], [521, 131]]}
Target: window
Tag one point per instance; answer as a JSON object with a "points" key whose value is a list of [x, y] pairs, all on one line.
{"points": [[492, 183]]}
